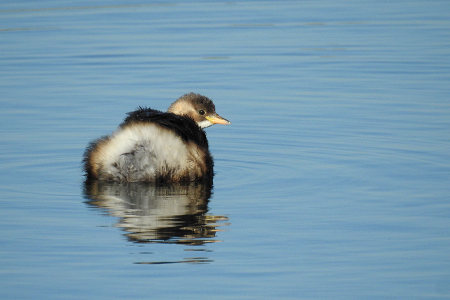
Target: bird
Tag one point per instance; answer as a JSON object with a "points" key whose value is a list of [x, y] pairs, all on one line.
{"points": [[155, 146]]}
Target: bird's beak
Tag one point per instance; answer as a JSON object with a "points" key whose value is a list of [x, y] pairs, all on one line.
{"points": [[216, 119]]}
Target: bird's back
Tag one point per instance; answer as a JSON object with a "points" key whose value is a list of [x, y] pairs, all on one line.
{"points": [[151, 146], [183, 126]]}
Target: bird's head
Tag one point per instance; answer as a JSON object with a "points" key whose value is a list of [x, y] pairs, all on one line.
{"points": [[199, 108]]}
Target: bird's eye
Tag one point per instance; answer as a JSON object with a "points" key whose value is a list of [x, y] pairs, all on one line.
{"points": [[201, 111]]}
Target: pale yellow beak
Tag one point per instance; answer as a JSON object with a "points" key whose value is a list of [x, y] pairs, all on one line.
{"points": [[216, 119]]}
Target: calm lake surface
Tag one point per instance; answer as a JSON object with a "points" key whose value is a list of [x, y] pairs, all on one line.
{"points": [[333, 180]]}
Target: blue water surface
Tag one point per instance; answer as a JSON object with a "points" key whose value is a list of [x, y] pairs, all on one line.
{"points": [[332, 182]]}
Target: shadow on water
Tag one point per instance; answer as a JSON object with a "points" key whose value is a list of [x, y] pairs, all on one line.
{"points": [[150, 213]]}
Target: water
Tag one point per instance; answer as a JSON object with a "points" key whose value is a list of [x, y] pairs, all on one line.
{"points": [[331, 182]]}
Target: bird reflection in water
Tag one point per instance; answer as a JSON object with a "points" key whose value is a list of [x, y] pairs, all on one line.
{"points": [[150, 213]]}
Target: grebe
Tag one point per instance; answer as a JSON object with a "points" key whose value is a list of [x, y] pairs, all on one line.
{"points": [[156, 146]]}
